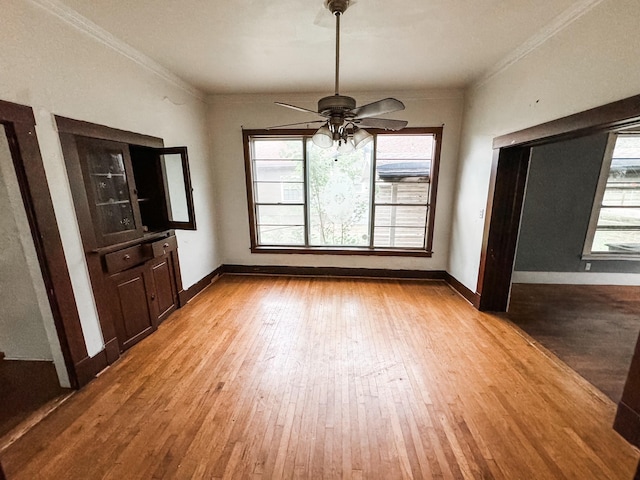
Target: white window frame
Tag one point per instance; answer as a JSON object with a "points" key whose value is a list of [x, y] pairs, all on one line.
{"points": [[587, 254]]}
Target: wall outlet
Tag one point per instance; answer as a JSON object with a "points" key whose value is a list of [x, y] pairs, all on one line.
{"points": [[587, 266]]}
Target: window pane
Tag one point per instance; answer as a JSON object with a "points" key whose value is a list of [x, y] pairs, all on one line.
{"points": [[623, 195], [398, 237], [339, 189], [278, 171], [616, 241], [402, 170], [401, 192], [392, 216], [279, 192], [619, 217], [279, 235], [280, 215], [264, 149], [405, 147], [624, 170]]}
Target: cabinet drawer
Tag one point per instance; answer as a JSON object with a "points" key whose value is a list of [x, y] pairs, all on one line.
{"points": [[125, 258], [163, 246]]}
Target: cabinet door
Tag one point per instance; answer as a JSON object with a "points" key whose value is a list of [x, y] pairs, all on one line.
{"points": [[135, 316], [164, 181], [165, 297], [108, 177]]}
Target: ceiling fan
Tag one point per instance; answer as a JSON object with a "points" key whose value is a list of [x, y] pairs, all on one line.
{"points": [[343, 120]]}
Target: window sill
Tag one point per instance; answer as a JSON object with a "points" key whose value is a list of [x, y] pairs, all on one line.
{"points": [[612, 256], [389, 252]]}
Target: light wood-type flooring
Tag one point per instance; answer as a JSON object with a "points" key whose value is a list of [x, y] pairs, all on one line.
{"points": [[276, 377]]}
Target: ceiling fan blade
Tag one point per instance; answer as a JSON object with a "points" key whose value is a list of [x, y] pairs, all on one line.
{"points": [[300, 109], [380, 107], [383, 123], [295, 124]]}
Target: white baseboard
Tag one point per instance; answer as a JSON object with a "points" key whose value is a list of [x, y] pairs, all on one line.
{"points": [[577, 278]]}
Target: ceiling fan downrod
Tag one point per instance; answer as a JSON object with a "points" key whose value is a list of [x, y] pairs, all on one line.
{"points": [[337, 8]]}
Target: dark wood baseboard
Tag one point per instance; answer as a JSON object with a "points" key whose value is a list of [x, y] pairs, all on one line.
{"points": [[89, 367], [472, 297], [335, 272], [185, 295], [112, 350]]}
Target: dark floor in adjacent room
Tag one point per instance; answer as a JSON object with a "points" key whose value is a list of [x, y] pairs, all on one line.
{"points": [[592, 328], [25, 386]]}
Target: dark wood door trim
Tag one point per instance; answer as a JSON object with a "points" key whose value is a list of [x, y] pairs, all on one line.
{"points": [[506, 189], [613, 115], [19, 124], [504, 209]]}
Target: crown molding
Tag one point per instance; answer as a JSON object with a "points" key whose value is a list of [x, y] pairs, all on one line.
{"points": [[558, 24], [83, 24]]}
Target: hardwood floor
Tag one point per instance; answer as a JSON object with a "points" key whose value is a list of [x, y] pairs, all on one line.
{"points": [[592, 328], [274, 377]]}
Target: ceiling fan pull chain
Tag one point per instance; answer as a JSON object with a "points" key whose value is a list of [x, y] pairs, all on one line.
{"points": [[337, 13]]}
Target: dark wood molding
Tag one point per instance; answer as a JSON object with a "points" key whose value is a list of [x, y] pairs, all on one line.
{"points": [[381, 252], [433, 188], [472, 297], [196, 288], [87, 129], [112, 350], [372, 251], [613, 115], [15, 113], [504, 209], [335, 272], [89, 367], [19, 125]]}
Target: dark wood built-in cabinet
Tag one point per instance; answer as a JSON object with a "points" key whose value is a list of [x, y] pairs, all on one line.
{"points": [[130, 194]]}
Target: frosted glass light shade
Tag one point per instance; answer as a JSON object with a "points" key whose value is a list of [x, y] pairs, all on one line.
{"points": [[346, 146], [361, 137], [323, 138]]}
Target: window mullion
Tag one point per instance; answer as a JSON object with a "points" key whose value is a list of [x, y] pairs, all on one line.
{"points": [[372, 190], [305, 173]]}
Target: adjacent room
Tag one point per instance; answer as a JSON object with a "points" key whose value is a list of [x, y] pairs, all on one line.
{"points": [[328, 239]]}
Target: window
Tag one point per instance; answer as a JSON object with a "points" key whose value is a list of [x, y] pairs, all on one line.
{"points": [[615, 221], [379, 199]]}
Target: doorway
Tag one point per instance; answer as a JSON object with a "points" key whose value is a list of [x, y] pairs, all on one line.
{"points": [[32, 366]]}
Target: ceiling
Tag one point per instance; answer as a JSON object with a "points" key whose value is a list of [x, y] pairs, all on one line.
{"points": [[274, 46]]}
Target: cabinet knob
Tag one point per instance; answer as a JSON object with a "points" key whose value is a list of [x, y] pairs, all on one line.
{"points": [[126, 257], [166, 245], [153, 296]]}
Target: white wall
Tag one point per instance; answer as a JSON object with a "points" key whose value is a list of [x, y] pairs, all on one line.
{"points": [[22, 332], [593, 61], [228, 114], [57, 69]]}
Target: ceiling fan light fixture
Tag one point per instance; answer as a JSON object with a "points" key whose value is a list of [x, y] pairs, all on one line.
{"points": [[361, 138], [323, 138], [345, 146]]}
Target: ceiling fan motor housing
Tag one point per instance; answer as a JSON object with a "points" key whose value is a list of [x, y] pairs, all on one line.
{"points": [[337, 6], [336, 104]]}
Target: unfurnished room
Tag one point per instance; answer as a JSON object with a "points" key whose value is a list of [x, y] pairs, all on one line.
{"points": [[323, 239]]}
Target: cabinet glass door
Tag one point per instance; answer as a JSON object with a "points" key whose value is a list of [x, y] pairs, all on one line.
{"points": [[107, 170], [177, 187]]}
